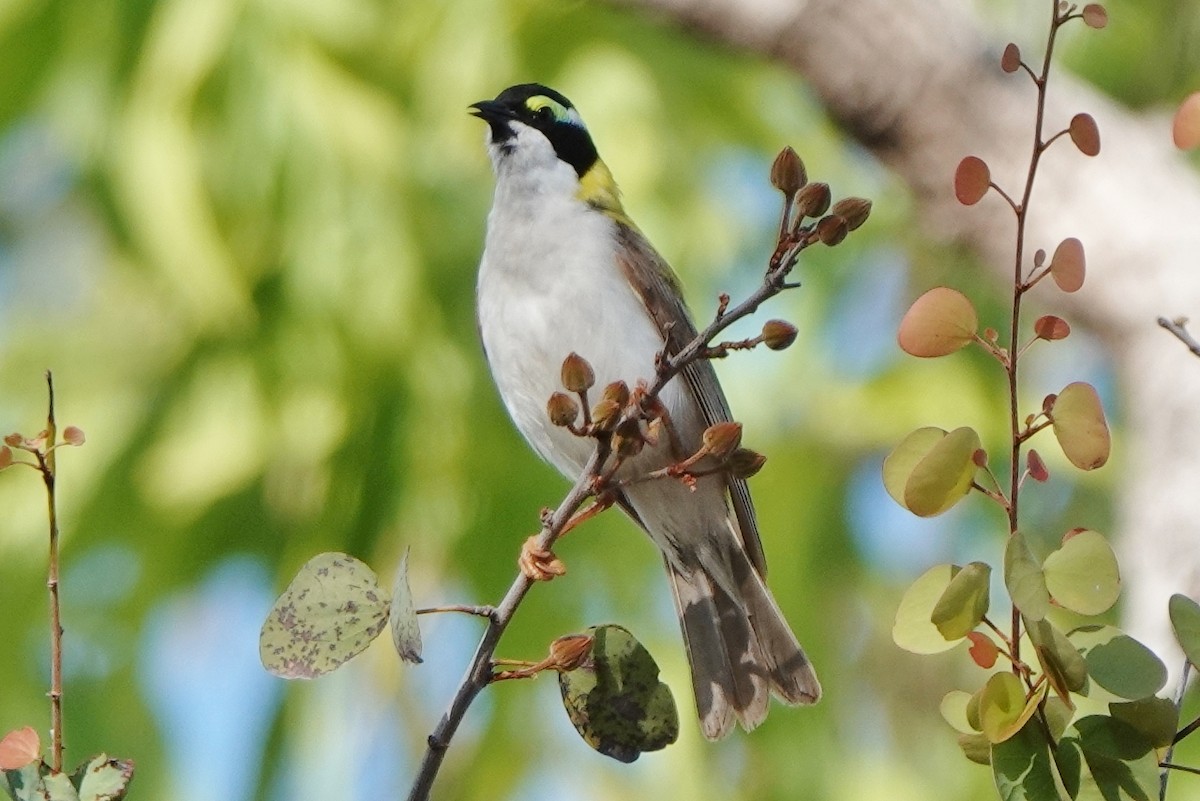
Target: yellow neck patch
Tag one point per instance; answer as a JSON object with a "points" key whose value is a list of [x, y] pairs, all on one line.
{"points": [[598, 189]]}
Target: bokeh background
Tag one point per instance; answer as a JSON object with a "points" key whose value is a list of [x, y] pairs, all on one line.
{"points": [[243, 234]]}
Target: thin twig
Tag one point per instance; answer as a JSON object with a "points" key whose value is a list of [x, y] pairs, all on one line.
{"points": [[46, 464], [1178, 328], [466, 609], [479, 672]]}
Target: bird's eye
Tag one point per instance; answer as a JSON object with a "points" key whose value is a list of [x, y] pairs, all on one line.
{"points": [[544, 114]]}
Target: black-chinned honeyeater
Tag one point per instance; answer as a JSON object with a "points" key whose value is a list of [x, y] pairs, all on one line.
{"points": [[565, 270]]}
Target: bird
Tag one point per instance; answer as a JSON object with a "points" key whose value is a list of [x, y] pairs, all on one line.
{"points": [[565, 270]]}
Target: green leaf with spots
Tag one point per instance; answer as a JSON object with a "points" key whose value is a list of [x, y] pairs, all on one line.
{"points": [[406, 632], [331, 612], [103, 779], [615, 699]]}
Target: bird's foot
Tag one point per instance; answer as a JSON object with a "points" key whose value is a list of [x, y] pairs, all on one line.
{"points": [[537, 563]]}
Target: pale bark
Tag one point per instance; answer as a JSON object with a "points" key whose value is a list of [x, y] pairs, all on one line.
{"points": [[918, 83]]}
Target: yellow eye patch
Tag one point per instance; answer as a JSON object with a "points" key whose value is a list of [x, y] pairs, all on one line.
{"points": [[561, 113]]}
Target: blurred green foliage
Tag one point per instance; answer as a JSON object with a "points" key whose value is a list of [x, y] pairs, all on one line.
{"points": [[243, 233]]}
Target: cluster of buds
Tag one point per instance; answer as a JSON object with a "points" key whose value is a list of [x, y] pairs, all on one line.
{"points": [[37, 445], [632, 422], [812, 201]]}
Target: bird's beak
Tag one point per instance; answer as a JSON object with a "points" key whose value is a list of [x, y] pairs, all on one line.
{"points": [[497, 116]]}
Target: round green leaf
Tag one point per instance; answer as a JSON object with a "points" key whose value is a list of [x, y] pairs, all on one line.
{"points": [[938, 323], [1001, 706], [899, 464], [1156, 718], [331, 612], [914, 630], [1080, 427], [1119, 663], [615, 699], [964, 603], [406, 633], [944, 476], [1185, 619], [1107, 759], [954, 711], [1024, 579], [1082, 574]]}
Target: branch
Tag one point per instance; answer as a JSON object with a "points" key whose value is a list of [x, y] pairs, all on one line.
{"points": [[1179, 329], [46, 464], [479, 673], [598, 473]]}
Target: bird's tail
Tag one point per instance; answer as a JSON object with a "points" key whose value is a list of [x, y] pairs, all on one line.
{"points": [[740, 649]]}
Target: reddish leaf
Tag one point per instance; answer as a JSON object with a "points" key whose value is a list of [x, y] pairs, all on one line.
{"points": [[1068, 265], [938, 323], [73, 435], [1011, 60], [19, 748], [1037, 468], [1051, 328], [980, 458], [983, 650], [1085, 134], [971, 180], [1186, 128], [1094, 15]]}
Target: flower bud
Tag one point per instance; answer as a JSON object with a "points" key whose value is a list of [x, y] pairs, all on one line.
{"points": [[562, 409], [787, 172], [618, 393], [778, 334], [722, 439], [606, 413], [812, 200], [577, 375], [73, 435], [15, 440], [831, 230], [743, 462], [854, 210], [570, 651]]}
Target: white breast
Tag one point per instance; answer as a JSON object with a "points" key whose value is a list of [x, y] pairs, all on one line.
{"points": [[549, 285]]}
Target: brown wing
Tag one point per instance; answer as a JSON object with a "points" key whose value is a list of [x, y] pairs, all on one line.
{"points": [[652, 278]]}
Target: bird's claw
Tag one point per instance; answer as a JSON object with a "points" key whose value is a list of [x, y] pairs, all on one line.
{"points": [[537, 563]]}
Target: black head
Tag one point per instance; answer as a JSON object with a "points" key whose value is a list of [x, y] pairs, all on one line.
{"points": [[546, 110]]}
